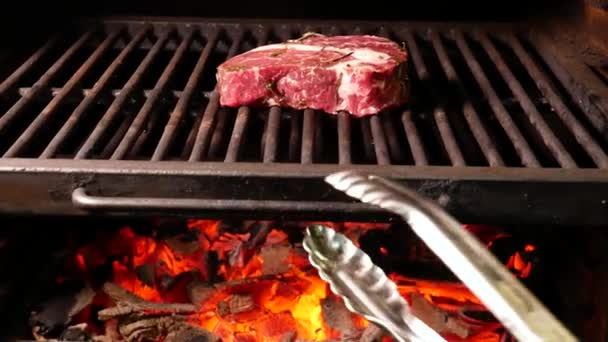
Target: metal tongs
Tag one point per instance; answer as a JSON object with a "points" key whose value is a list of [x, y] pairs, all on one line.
{"points": [[367, 291]]}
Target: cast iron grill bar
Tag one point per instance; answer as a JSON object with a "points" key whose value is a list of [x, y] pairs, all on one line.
{"points": [[205, 129], [344, 138], [191, 137], [45, 115], [319, 140], [234, 146], [368, 142], [14, 77], [120, 132], [119, 101], [271, 135], [519, 142], [413, 139], [379, 141], [308, 134], [394, 145], [485, 143], [218, 134], [439, 114], [549, 139], [544, 85], [169, 133], [42, 84], [151, 102], [80, 111], [142, 138], [295, 137]]}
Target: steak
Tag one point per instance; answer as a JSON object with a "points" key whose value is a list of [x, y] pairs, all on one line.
{"points": [[358, 74]]}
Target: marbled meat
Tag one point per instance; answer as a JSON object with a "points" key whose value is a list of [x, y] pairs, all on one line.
{"points": [[358, 74]]}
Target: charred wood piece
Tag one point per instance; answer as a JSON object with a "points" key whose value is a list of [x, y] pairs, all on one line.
{"points": [[145, 309], [235, 304], [190, 333], [57, 312], [337, 316]]}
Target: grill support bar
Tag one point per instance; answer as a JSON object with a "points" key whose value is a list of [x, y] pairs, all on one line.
{"points": [[470, 193]]}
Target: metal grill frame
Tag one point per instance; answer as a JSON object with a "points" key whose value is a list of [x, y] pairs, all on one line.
{"points": [[519, 195]]}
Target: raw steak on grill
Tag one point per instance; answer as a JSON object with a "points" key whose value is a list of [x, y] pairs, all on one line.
{"points": [[361, 75]]}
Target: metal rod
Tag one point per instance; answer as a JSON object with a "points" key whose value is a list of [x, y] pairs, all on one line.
{"points": [[203, 135], [236, 139], [191, 137], [271, 135], [368, 141], [81, 199], [295, 137], [68, 127], [447, 135], [47, 112], [544, 85], [42, 84], [218, 134], [168, 136], [548, 137], [344, 138], [413, 139], [142, 138], [484, 141], [394, 146], [151, 102], [441, 121], [382, 156], [308, 135], [11, 80], [117, 104], [519, 142]]}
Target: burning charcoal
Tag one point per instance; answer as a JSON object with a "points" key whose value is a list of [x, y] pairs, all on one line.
{"points": [[185, 243], [76, 333], [337, 316], [438, 319], [118, 293], [199, 292], [144, 308], [275, 259], [289, 337], [146, 273], [372, 333], [148, 329], [57, 312], [212, 263], [235, 304], [189, 333]]}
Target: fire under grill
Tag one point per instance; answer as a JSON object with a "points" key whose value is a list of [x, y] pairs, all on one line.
{"points": [[110, 112]]}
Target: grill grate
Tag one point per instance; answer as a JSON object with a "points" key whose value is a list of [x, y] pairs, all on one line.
{"points": [[145, 91]]}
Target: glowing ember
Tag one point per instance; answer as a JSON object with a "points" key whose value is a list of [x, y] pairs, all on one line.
{"points": [[257, 285]]}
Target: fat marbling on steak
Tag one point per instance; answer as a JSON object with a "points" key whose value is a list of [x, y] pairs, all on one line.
{"points": [[359, 74]]}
